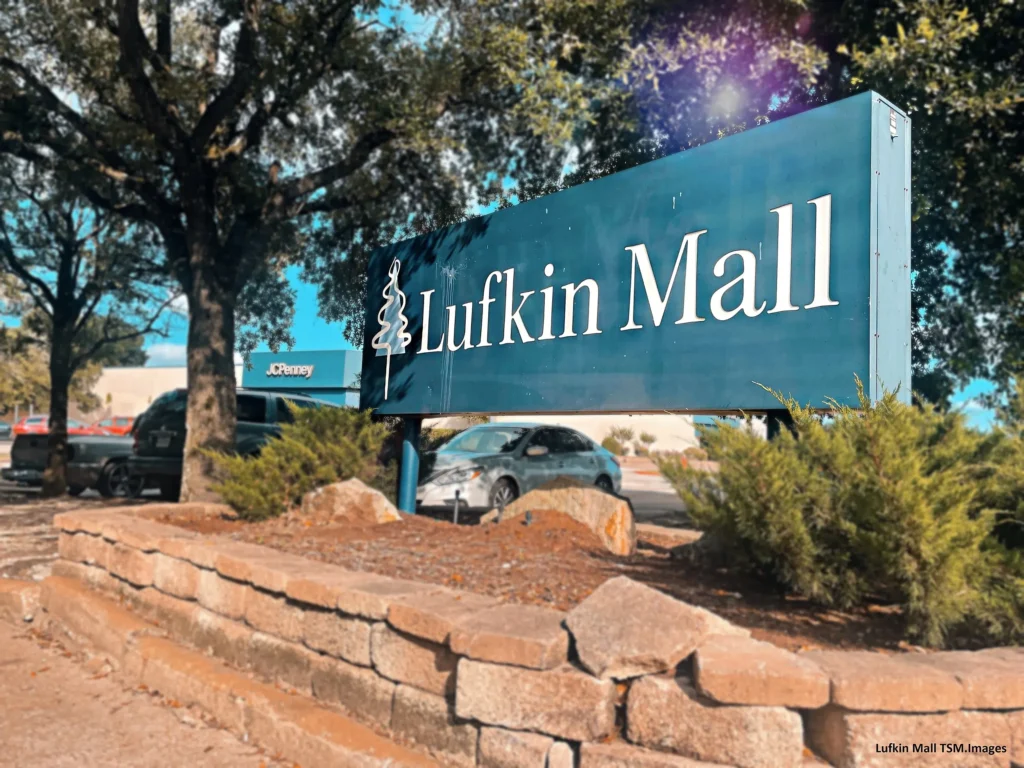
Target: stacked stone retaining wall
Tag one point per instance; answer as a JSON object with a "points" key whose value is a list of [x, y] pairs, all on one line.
{"points": [[631, 677]]}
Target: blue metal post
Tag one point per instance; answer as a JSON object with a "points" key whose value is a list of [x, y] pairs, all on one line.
{"points": [[410, 465]]}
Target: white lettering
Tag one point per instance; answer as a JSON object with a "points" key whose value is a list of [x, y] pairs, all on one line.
{"points": [[784, 271], [513, 317], [570, 306], [746, 304], [822, 251], [281, 369], [655, 300], [465, 343], [548, 294], [485, 311], [424, 342]]}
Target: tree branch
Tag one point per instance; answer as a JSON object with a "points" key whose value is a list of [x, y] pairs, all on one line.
{"points": [[87, 309], [152, 57], [53, 104], [160, 121], [242, 78], [84, 356], [295, 90], [163, 30], [311, 182], [31, 281]]}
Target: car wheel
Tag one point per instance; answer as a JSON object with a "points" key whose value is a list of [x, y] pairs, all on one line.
{"points": [[76, 490], [118, 480], [503, 493], [605, 484], [170, 488]]}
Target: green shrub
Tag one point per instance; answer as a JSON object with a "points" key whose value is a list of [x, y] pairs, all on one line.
{"points": [[322, 446], [623, 435], [695, 453], [1002, 460], [432, 439], [884, 503], [612, 445]]}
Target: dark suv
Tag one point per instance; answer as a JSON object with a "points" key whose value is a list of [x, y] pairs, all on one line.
{"points": [[160, 431]]}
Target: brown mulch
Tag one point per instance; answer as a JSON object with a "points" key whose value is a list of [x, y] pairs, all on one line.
{"points": [[557, 562]]}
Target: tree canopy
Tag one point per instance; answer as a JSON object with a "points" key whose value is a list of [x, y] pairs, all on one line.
{"points": [[88, 285], [698, 71], [251, 135]]}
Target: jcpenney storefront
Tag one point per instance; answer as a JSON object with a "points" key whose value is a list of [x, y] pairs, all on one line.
{"points": [[331, 375]]}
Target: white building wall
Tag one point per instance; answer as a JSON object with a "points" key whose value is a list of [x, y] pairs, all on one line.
{"points": [[130, 391]]}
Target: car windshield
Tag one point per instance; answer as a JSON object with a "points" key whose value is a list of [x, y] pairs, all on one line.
{"points": [[485, 440]]}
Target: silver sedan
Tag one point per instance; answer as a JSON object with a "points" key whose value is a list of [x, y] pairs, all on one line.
{"points": [[491, 465]]}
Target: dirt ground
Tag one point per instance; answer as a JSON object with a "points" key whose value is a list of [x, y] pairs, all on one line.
{"points": [[553, 562], [59, 710], [557, 562]]}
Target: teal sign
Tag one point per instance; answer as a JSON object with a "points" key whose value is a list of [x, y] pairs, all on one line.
{"points": [[778, 256]]}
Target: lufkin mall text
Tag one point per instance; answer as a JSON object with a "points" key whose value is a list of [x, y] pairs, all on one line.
{"points": [[946, 748], [658, 299]]}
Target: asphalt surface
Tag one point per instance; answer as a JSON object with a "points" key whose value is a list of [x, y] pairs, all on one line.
{"points": [[652, 498]]}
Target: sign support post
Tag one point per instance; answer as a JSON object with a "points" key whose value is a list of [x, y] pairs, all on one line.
{"points": [[409, 477]]}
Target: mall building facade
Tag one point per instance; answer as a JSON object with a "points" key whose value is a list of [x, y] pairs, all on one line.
{"points": [[333, 375]]}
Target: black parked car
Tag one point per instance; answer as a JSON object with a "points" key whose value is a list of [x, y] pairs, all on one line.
{"points": [[6, 430], [160, 432], [94, 461]]}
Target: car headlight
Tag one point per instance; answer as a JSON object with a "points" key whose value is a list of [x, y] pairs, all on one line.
{"points": [[463, 475]]}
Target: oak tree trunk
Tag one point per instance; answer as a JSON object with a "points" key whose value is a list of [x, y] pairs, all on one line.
{"points": [[55, 475], [211, 416]]}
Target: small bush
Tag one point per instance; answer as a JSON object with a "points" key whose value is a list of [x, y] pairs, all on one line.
{"points": [[432, 439], [1002, 478], [322, 446], [696, 454], [612, 445], [883, 503], [623, 435]]}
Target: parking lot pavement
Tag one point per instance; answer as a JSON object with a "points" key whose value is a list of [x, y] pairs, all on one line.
{"points": [[653, 499], [28, 543], [62, 711]]}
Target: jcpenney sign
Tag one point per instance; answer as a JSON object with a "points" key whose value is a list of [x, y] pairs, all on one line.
{"points": [[297, 371], [778, 256]]}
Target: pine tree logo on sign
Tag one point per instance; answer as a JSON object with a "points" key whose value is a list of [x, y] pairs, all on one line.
{"points": [[392, 338]]}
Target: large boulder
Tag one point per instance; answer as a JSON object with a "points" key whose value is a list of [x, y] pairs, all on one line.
{"points": [[607, 515], [348, 501], [627, 629]]}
